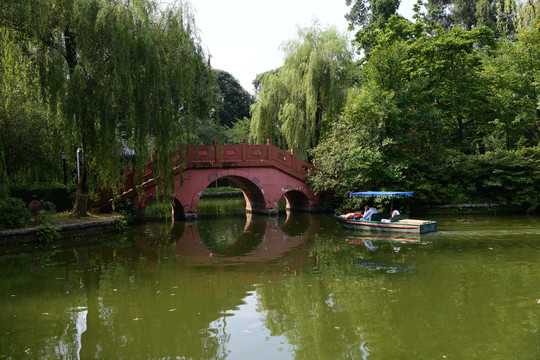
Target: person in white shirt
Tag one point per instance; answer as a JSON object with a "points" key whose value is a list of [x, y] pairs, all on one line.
{"points": [[370, 210]]}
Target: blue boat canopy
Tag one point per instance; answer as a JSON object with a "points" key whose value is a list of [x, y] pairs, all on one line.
{"points": [[381, 194]]}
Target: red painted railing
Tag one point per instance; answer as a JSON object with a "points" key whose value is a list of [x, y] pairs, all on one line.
{"points": [[219, 156], [243, 155]]}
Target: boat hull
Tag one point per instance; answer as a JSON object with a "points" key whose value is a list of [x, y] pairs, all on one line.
{"points": [[402, 226]]}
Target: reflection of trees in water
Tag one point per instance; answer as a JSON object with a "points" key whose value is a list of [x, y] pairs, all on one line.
{"points": [[36, 304], [296, 224], [480, 293], [320, 311], [225, 234], [333, 309], [133, 308], [178, 305]]}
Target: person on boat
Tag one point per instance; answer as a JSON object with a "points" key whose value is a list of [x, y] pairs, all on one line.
{"points": [[370, 210], [394, 213], [353, 215]]}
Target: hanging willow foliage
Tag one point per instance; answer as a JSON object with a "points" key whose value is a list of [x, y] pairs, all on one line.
{"points": [[113, 67], [309, 87]]}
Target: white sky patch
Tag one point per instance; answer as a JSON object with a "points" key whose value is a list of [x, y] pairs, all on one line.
{"points": [[248, 337], [243, 37]]}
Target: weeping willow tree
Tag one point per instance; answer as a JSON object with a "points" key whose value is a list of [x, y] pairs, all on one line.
{"points": [[309, 88], [115, 67]]}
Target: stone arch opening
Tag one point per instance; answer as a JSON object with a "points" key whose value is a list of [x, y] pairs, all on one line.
{"points": [[296, 200], [141, 203], [254, 197], [178, 210]]}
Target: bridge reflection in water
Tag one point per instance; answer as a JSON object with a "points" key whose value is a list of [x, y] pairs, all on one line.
{"points": [[261, 239], [212, 267]]}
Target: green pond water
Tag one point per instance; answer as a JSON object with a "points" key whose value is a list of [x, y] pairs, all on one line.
{"points": [[299, 286]]}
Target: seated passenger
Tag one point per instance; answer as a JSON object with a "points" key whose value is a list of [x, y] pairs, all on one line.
{"points": [[394, 213], [370, 210]]}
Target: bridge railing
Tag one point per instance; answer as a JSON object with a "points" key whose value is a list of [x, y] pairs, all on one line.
{"points": [[244, 155], [217, 156]]}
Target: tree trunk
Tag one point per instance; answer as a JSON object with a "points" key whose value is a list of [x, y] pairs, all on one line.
{"points": [[80, 207], [81, 202]]}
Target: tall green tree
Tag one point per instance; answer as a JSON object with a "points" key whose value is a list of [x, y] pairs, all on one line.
{"points": [[498, 15], [420, 96], [528, 15], [452, 63], [513, 76], [370, 143], [28, 134], [111, 67], [309, 89], [369, 17], [235, 100]]}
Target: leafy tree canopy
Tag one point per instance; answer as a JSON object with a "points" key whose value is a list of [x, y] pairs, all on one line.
{"points": [[235, 100], [308, 90], [369, 16], [419, 93], [112, 67], [498, 15]]}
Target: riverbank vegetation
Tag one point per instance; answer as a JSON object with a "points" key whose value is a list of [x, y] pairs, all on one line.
{"points": [[446, 105]]}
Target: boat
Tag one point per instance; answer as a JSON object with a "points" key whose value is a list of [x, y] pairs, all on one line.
{"points": [[383, 221]]}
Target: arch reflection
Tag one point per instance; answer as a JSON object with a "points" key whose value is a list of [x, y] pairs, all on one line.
{"points": [[261, 239]]}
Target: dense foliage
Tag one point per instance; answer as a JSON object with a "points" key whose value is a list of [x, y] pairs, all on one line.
{"points": [[235, 100], [447, 105], [297, 101], [451, 114], [368, 16], [105, 68], [60, 196]]}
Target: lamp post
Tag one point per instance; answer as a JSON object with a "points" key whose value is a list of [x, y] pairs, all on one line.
{"points": [[78, 166], [63, 157], [127, 154]]}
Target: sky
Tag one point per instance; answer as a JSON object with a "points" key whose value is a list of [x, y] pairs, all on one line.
{"points": [[243, 37]]}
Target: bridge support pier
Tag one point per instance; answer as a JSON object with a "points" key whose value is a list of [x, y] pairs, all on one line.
{"points": [[190, 216], [272, 212]]}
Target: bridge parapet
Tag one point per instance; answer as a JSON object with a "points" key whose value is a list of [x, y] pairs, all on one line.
{"points": [[243, 155], [219, 156]]}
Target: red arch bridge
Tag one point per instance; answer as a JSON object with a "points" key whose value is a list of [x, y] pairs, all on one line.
{"points": [[264, 173]]}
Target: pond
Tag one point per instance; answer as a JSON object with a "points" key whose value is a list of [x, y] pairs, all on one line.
{"points": [[299, 286]]}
